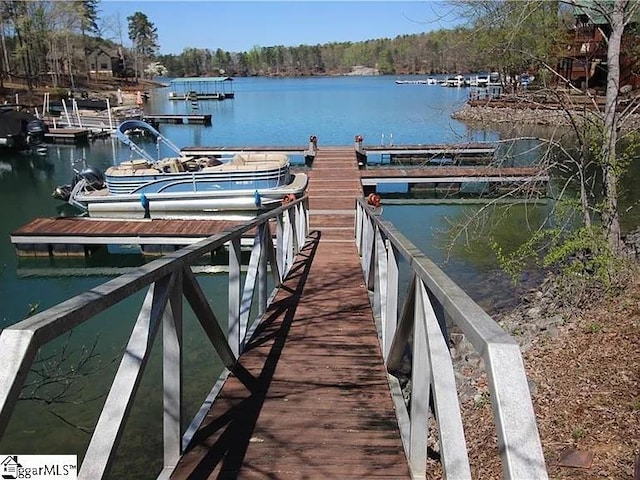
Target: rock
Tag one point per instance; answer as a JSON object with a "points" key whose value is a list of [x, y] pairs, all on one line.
{"points": [[529, 116], [533, 312]]}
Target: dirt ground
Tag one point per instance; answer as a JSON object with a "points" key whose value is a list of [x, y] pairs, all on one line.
{"points": [[94, 89], [586, 390]]}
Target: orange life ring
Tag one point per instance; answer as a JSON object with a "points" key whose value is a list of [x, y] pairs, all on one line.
{"points": [[288, 198], [374, 200]]}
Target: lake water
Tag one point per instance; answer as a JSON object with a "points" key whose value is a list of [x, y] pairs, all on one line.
{"points": [[265, 111]]}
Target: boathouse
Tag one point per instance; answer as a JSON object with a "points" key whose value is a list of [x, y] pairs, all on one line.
{"points": [[201, 88]]}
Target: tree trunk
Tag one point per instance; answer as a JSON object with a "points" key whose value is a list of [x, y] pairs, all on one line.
{"points": [[610, 215]]}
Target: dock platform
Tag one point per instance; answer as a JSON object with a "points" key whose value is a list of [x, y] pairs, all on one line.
{"points": [[456, 180], [69, 136], [451, 174], [80, 236], [332, 187], [178, 119], [455, 154]]}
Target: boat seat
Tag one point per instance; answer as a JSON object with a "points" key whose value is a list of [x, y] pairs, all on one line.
{"points": [[176, 165], [146, 171], [172, 165], [137, 164], [260, 158]]}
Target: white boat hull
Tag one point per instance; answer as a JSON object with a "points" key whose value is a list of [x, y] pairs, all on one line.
{"points": [[236, 204]]}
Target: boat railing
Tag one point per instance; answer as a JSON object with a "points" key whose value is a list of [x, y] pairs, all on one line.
{"points": [[433, 305], [167, 280]]}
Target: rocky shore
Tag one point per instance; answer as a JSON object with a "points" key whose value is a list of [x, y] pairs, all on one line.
{"points": [[531, 115]]}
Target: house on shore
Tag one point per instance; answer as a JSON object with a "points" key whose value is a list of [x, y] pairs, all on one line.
{"points": [[584, 63]]}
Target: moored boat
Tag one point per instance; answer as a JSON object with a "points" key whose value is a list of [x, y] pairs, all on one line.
{"points": [[183, 186], [19, 129]]}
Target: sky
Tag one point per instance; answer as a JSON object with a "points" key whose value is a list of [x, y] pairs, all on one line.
{"points": [[237, 26]]}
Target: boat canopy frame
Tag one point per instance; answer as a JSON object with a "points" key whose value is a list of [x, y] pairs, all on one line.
{"points": [[128, 125]]}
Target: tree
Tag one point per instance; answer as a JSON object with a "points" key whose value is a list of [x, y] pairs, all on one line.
{"points": [[517, 35], [144, 36], [156, 69], [87, 13], [582, 232], [618, 14]]}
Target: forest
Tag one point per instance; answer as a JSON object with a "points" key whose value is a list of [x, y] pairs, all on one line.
{"points": [[55, 43]]}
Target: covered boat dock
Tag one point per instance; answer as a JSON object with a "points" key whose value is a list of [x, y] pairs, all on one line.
{"points": [[201, 88]]}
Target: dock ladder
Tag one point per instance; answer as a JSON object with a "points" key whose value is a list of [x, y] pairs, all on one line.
{"points": [[192, 97]]}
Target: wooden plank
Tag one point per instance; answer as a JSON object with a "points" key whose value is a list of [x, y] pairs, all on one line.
{"points": [[71, 226]]}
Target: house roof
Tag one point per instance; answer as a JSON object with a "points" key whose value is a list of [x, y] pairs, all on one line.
{"points": [[107, 51], [201, 79], [593, 9]]}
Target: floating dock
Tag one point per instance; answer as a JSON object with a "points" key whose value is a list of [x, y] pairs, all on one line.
{"points": [[454, 154], [457, 180], [81, 236], [69, 136], [156, 118]]}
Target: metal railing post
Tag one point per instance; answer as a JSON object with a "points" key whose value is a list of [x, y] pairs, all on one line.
{"points": [[235, 288], [262, 270], [420, 390], [390, 317], [172, 374]]}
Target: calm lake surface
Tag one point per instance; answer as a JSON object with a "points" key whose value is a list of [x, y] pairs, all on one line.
{"points": [[264, 112]]}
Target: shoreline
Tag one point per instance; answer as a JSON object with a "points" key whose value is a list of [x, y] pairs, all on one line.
{"points": [[537, 116]]}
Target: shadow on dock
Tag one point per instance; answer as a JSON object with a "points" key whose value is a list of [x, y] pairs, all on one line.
{"points": [[222, 441]]}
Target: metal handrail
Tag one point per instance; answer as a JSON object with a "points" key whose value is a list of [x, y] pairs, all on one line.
{"points": [[168, 279], [380, 245]]}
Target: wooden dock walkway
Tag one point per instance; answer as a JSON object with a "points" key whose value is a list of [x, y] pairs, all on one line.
{"points": [[309, 397]]}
